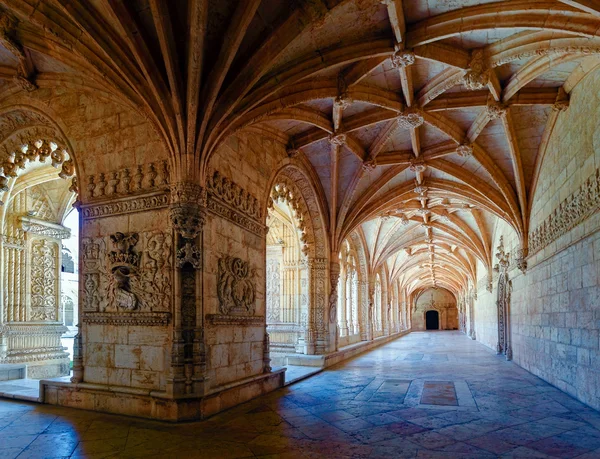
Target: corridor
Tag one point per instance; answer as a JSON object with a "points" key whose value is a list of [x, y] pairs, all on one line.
{"points": [[428, 394]]}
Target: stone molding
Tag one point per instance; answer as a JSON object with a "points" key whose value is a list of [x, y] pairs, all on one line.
{"points": [[128, 318], [243, 321], [580, 205], [44, 228], [126, 205]]}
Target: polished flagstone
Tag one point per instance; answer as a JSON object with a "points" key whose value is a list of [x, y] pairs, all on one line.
{"points": [[428, 394]]}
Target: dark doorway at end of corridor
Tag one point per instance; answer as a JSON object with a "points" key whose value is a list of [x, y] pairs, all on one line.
{"points": [[432, 320]]}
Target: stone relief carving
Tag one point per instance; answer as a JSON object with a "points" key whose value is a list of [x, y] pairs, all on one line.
{"points": [[334, 275], [123, 182], [572, 211], [134, 276], [274, 289], [232, 194], [509, 56], [44, 280], [124, 263], [189, 254], [235, 287]]}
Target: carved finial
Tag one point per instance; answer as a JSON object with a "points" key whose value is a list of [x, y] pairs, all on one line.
{"points": [[503, 256]]}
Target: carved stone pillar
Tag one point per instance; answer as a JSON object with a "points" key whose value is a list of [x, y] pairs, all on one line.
{"points": [[188, 359], [371, 311], [333, 335], [343, 295]]}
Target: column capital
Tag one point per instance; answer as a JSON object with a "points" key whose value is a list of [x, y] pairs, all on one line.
{"points": [[188, 201]]}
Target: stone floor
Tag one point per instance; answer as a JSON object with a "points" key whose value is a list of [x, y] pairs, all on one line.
{"points": [[434, 394]]}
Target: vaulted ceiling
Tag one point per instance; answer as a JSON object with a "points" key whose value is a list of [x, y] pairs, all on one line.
{"points": [[425, 121]]}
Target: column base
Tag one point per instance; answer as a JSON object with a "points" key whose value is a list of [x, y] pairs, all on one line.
{"points": [[157, 405]]}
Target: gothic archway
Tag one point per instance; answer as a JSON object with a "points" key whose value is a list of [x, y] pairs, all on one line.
{"points": [[38, 186], [292, 190]]}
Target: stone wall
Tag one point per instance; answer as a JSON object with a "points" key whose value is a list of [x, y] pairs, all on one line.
{"points": [[440, 300], [126, 332], [235, 346], [555, 307]]}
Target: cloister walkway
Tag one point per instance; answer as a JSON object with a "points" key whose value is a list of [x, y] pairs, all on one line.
{"points": [[431, 394]]}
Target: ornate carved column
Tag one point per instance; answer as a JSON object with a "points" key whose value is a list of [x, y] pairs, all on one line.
{"points": [[332, 327], [371, 311], [471, 299], [342, 298], [188, 360], [503, 301]]}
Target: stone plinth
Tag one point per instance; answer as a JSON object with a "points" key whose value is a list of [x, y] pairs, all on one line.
{"points": [[154, 404]]}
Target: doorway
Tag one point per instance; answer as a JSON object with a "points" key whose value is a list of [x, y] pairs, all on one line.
{"points": [[432, 320]]}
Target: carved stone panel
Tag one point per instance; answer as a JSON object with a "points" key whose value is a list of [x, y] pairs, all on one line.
{"points": [[235, 287], [136, 275], [44, 279]]}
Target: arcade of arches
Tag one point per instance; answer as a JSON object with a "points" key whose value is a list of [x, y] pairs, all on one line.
{"points": [[262, 182]]}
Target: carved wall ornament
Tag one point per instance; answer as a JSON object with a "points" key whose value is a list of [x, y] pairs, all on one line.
{"points": [[509, 56], [286, 191], [465, 150], [562, 101], [145, 178], [410, 119], [134, 276], [123, 265], [231, 202], [28, 147], [503, 257], [189, 254], [581, 204], [235, 287], [403, 58], [125, 206], [334, 275], [44, 280], [478, 75]]}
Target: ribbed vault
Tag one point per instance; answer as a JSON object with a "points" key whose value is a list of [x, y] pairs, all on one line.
{"points": [[424, 122]]}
